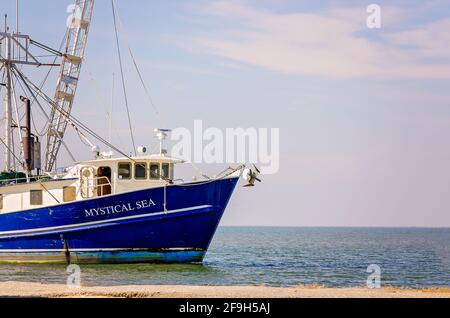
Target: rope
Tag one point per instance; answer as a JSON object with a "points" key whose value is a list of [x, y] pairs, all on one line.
{"points": [[41, 134], [25, 80], [102, 101], [22, 151], [46, 190], [147, 91], [225, 174], [122, 75], [74, 122], [47, 126], [9, 149], [3, 78]]}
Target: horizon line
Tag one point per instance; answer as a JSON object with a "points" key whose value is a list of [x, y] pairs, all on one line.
{"points": [[342, 227]]}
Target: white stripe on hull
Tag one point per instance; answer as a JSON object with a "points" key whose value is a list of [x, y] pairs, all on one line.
{"points": [[87, 250], [65, 227]]}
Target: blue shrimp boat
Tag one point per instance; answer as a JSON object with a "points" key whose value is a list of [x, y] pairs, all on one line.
{"points": [[128, 209], [109, 222]]}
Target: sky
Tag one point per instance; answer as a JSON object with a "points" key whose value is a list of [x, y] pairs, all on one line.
{"points": [[364, 114]]}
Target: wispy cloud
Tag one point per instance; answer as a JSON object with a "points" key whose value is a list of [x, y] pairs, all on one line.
{"points": [[336, 43]]}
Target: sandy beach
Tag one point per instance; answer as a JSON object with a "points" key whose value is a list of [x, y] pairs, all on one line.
{"points": [[23, 289]]}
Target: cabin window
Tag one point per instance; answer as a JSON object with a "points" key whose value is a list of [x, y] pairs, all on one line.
{"points": [[69, 194], [87, 182], [104, 181], [1, 201], [154, 171], [36, 197], [124, 171], [140, 171], [165, 171]]}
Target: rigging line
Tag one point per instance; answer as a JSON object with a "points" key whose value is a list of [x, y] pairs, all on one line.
{"points": [[13, 97], [224, 174], [46, 48], [74, 122], [3, 78], [9, 149], [46, 190], [24, 80], [83, 139], [44, 56], [111, 110], [155, 108], [147, 91], [75, 130], [42, 133], [122, 75], [40, 93], [45, 97], [17, 114], [47, 126], [101, 100], [54, 60], [116, 131]]}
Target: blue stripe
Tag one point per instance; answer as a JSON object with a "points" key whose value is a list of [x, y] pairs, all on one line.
{"points": [[200, 208]]}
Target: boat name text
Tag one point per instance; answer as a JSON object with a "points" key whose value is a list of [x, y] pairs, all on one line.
{"points": [[119, 208]]}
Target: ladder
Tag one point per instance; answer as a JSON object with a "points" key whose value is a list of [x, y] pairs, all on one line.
{"points": [[66, 87]]}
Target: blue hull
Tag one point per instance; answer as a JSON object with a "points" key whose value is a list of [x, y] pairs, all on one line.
{"points": [[170, 225]]}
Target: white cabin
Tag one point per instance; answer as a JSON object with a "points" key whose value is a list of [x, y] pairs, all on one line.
{"points": [[87, 180]]}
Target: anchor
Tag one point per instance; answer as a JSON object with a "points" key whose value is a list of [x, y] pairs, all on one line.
{"points": [[251, 176]]}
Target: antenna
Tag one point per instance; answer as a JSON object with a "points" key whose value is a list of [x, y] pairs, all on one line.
{"points": [[112, 108], [17, 17], [161, 134]]}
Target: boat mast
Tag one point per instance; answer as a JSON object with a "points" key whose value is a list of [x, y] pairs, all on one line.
{"points": [[8, 96], [8, 104], [17, 16], [15, 53]]}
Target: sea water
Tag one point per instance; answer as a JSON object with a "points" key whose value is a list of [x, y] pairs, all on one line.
{"points": [[330, 257]]}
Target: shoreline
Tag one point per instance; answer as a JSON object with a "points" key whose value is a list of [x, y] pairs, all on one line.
{"points": [[23, 289]]}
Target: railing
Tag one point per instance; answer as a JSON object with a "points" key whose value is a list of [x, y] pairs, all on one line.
{"points": [[92, 190], [23, 180]]}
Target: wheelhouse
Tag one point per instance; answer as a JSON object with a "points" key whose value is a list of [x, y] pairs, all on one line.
{"points": [[111, 176], [87, 180]]}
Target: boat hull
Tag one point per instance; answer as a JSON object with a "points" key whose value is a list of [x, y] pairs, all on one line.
{"points": [[173, 224]]}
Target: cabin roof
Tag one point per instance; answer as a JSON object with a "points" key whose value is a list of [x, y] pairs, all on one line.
{"points": [[155, 157], [36, 182]]}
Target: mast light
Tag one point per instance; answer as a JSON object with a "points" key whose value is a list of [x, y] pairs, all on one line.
{"points": [[162, 134]]}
